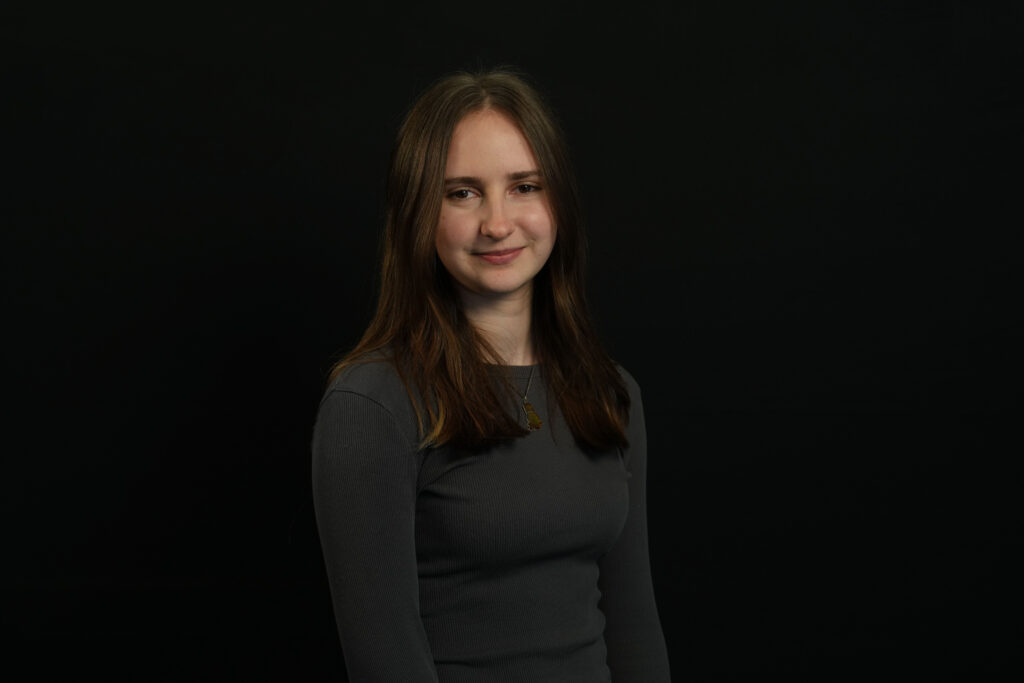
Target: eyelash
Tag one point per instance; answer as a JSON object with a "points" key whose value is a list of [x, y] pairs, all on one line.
{"points": [[531, 186]]}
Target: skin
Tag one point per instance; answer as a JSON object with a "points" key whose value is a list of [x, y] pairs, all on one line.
{"points": [[496, 229]]}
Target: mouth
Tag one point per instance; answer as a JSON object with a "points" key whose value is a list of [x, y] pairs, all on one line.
{"points": [[499, 256]]}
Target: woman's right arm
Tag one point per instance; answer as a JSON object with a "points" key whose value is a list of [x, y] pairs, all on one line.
{"points": [[364, 494]]}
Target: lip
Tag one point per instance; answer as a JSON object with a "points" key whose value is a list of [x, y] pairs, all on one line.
{"points": [[500, 256]]}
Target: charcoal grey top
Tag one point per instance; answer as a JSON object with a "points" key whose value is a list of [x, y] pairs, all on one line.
{"points": [[527, 561]]}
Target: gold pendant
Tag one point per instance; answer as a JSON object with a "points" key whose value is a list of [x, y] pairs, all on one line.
{"points": [[531, 415]]}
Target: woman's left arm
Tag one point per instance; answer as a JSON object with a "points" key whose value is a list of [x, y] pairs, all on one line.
{"points": [[633, 634]]}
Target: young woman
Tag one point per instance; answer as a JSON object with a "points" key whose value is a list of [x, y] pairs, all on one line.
{"points": [[479, 462]]}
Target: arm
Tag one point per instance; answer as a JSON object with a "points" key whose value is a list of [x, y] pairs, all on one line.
{"points": [[364, 495], [633, 635]]}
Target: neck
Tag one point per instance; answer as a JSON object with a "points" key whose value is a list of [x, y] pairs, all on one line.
{"points": [[505, 324]]}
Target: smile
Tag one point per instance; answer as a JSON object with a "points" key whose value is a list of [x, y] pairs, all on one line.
{"points": [[501, 256]]}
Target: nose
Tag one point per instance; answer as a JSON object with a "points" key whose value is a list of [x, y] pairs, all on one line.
{"points": [[496, 222]]}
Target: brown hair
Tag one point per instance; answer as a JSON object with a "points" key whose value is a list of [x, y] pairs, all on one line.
{"points": [[419, 324]]}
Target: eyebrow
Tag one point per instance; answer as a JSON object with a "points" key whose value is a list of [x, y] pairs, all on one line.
{"points": [[471, 180]]}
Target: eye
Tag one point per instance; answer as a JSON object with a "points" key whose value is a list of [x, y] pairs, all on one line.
{"points": [[460, 194], [526, 188]]}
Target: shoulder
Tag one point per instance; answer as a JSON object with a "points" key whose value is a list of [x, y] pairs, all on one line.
{"points": [[631, 384], [373, 381], [374, 378]]}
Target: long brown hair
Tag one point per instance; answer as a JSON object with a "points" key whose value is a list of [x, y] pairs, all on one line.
{"points": [[446, 366]]}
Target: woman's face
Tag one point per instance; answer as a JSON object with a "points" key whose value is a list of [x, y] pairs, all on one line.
{"points": [[496, 230]]}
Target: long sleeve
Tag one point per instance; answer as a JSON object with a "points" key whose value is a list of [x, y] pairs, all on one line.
{"points": [[364, 493], [633, 634]]}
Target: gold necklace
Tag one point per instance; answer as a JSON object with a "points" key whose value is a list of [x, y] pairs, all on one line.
{"points": [[532, 419]]}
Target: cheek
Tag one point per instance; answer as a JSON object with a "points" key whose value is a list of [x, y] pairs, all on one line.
{"points": [[542, 224], [445, 233], [452, 231]]}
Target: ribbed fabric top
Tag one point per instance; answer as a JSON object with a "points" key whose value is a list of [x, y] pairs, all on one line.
{"points": [[524, 562]]}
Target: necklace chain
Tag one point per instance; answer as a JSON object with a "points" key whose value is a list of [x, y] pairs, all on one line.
{"points": [[528, 382], [533, 421]]}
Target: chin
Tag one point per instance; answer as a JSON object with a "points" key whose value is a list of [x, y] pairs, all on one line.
{"points": [[492, 290]]}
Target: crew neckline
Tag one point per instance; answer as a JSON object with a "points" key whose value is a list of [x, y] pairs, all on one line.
{"points": [[518, 371]]}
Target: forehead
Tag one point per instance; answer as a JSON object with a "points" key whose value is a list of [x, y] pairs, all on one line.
{"points": [[488, 142]]}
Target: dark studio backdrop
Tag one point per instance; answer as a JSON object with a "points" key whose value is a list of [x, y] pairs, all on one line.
{"points": [[803, 222]]}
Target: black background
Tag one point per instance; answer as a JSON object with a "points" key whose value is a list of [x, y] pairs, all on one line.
{"points": [[803, 224]]}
